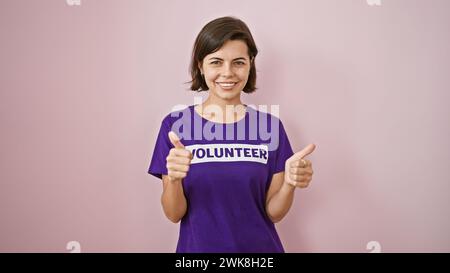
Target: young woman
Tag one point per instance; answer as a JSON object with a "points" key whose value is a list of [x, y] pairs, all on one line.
{"points": [[222, 176]]}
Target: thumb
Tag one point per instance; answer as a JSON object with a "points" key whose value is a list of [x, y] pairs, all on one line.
{"points": [[175, 140], [306, 151]]}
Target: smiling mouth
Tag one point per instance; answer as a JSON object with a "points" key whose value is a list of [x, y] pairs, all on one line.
{"points": [[226, 85]]}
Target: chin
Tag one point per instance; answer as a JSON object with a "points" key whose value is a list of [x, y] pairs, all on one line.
{"points": [[228, 96]]}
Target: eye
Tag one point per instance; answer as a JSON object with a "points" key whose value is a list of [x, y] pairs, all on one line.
{"points": [[215, 62], [240, 63]]}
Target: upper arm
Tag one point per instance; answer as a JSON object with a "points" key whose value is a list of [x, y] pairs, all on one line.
{"points": [[275, 185]]}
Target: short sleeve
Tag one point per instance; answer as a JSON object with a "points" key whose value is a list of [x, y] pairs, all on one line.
{"points": [[162, 147], [283, 152]]}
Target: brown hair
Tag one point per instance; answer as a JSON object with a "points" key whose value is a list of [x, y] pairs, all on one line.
{"points": [[211, 38]]}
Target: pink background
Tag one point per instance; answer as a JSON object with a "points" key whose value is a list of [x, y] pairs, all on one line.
{"points": [[84, 89]]}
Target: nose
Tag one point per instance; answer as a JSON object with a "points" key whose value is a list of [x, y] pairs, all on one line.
{"points": [[227, 70]]}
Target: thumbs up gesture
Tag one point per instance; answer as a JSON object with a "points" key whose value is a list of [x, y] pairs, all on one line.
{"points": [[298, 171], [178, 160]]}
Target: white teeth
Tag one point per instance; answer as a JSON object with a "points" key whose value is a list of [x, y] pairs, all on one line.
{"points": [[226, 84]]}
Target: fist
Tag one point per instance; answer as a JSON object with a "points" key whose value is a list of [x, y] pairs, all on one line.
{"points": [[178, 160], [298, 171]]}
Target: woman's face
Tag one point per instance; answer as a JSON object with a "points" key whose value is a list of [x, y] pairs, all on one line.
{"points": [[230, 64]]}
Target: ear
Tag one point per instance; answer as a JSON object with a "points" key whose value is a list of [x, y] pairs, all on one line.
{"points": [[200, 67]]}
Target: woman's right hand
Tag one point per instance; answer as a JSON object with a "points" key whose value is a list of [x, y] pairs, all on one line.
{"points": [[178, 160]]}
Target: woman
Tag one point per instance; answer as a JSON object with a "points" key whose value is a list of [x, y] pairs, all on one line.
{"points": [[221, 177]]}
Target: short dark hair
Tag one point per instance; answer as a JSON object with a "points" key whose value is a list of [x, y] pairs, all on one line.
{"points": [[211, 38]]}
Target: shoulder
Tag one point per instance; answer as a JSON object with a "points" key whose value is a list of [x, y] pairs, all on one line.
{"points": [[263, 115]]}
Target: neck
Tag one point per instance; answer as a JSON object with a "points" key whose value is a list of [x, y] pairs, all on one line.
{"points": [[222, 110], [212, 100]]}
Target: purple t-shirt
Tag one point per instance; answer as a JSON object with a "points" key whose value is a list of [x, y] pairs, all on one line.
{"points": [[228, 179]]}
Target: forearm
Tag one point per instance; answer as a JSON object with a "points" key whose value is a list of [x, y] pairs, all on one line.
{"points": [[280, 203], [173, 201]]}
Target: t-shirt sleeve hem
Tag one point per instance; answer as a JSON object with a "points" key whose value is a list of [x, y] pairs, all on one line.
{"points": [[157, 174], [278, 170]]}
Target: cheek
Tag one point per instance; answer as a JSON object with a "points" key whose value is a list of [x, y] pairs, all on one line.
{"points": [[211, 76], [244, 75]]}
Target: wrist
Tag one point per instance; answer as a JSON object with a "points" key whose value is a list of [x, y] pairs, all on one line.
{"points": [[287, 187], [175, 180]]}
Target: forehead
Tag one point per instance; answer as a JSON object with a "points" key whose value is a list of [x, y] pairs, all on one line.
{"points": [[231, 50]]}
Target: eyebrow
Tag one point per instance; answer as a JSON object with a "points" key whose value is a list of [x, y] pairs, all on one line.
{"points": [[233, 59]]}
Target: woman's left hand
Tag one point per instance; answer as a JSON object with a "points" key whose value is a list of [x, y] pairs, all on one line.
{"points": [[298, 171]]}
